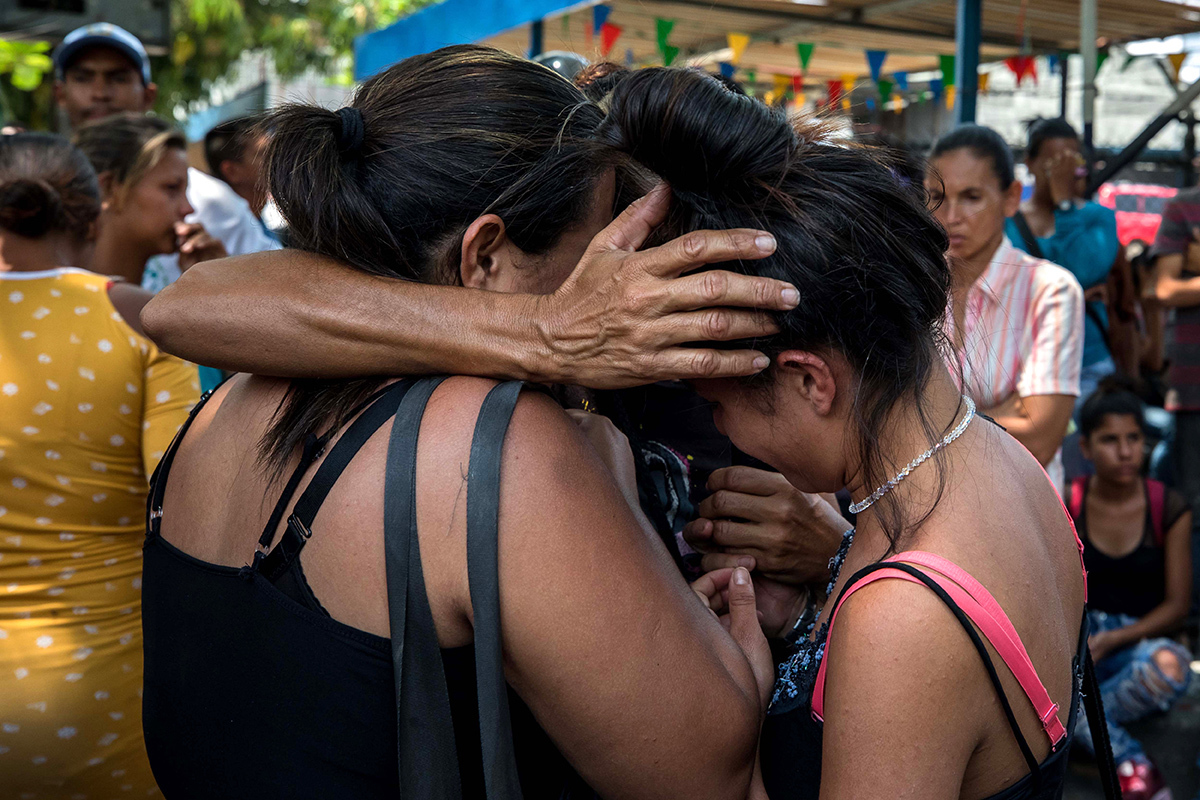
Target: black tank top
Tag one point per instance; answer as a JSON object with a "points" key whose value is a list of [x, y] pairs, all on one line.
{"points": [[252, 690], [1135, 583], [790, 747]]}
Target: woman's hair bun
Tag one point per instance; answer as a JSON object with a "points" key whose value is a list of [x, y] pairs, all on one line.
{"points": [[696, 133], [30, 207]]}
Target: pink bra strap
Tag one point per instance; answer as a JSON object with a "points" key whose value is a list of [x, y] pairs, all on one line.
{"points": [[979, 605], [1070, 520]]}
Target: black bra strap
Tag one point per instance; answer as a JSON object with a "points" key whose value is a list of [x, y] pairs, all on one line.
{"points": [[1035, 768], [483, 529], [158, 480], [426, 750]]}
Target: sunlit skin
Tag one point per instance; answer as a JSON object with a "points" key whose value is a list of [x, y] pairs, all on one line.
{"points": [[139, 221], [100, 82]]}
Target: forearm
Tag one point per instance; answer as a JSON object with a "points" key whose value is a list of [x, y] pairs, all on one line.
{"points": [[1040, 438], [297, 314], [1163, 620], [1175, 292]]}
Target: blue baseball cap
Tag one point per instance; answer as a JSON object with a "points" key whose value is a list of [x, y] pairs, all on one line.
{"points": [[102, 34]]}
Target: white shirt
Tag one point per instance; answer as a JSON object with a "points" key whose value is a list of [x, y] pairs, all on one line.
{"points": [[224, 214]]}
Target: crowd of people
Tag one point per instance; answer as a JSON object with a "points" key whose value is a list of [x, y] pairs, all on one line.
{"points": [[357, 552]]}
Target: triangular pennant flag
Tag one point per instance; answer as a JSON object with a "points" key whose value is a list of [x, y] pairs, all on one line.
{"points": [[770, 97], [1052, 62], [848, 81], [1031, 68], [901, 79], [629, 58], [805, 51], [845, 104], [566, 25], [669, 52], [801, 100], [947, 65], [1101, 57], [870, 104], [609, 33], [798, 87], [781, 84], [950, 92], [984, 79], [875, 63], [600, 16], [1022, 66], [834, 89], [663, 31], [885, 88], [727, 69], [897, 103], [738, 42], [936, 87], [751, 79], [1177, 60]]}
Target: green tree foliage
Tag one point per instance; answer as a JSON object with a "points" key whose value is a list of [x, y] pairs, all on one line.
{"points": [[23, 66], [210, 35]]}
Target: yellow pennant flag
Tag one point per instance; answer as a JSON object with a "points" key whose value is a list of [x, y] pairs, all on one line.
{"points": [[848, 81], [782, 84], [897, 103], [801, 100], [950, 97], [1177, 60], [738, 42], [984, 77], [845, 104]]}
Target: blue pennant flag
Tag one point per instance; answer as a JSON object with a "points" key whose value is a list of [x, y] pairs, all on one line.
{"points": [[936, 87], [600, 16], [727, 69], [1052, 62], [875, 62], [901, 79], [629, 58], [870, 104]]}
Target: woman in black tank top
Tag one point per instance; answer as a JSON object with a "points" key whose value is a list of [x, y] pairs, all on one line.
{"points": [[449, 595]]}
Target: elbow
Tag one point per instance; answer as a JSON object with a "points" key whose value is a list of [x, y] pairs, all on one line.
{"points": [[725, 759], [163, 323]]}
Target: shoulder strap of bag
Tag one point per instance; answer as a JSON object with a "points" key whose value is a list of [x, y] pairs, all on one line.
{"points": [[427, 754], [1075, 503], [1031, 243], [1093, 705], [1157, 495], [483, 531]]}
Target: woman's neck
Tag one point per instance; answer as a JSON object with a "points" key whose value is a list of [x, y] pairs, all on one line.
{"points": [[965, 271], [1112, 491], [1041, 198], [120, 255], [21, 254]]}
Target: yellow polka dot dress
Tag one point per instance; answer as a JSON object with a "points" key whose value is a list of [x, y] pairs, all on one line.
{"points": [[87, 407]]}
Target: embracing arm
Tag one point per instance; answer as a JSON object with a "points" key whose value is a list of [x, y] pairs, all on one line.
{"points": [[618, 320], [1170, 287], [1038, 422]]}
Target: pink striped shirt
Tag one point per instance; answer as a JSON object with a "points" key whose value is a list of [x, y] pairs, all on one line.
{"points": [[1022, 332]]}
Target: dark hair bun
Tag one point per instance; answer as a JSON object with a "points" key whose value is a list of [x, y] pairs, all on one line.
{"points": [[664, 118], [30, 207]]}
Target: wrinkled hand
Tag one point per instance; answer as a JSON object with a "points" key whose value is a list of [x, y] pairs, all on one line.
{"points": [[729, 594], [621, 317], [613, 448], [790, 535], [196, 245]]}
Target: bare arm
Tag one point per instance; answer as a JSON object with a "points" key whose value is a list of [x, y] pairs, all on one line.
{"points": [[618, 320], [1171, 289], [1038, 422]]}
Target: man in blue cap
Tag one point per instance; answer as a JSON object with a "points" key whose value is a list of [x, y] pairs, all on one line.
{"points": [[101, 70]]}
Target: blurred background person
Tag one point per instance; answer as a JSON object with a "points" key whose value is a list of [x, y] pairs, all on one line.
{"points": [[1136, 535], [87, 407], [1017, 321], [234, 151], [102, 70], [1058, 224]]}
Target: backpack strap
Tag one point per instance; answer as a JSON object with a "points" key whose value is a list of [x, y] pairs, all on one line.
{"points": [[1075, 502], [1030, 241], [1156, 498]]}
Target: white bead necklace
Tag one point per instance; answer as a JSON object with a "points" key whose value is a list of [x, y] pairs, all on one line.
{"points": [[858, 508]]}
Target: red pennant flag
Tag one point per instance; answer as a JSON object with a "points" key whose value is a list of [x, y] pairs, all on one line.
{"points": [[1022, 67], [609, 33], [835, 92], [798, 85]]}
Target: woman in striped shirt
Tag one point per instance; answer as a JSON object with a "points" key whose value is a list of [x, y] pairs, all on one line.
{"points": [[1017, 321]]}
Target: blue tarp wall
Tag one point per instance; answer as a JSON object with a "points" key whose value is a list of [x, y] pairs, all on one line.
{"points": [[448, 22]]}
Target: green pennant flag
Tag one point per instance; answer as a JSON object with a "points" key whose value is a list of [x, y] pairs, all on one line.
{"points": [[885, 88], [668, 53], [805, 51], [566, 25], [751, 79], [1101, 57], [947, 64], [1128, 60], [663, 28]]}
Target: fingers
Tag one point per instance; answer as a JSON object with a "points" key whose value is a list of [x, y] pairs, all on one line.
{"points": [[746, 630], [694, 250], [722, 561], [630, 230], [727, 533], [711, 586], [714, 325], [747, 480], [724, 504], [689, 363], [716, 288], [698, 533]]}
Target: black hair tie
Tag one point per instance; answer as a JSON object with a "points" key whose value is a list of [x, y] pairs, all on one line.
{"points": [[350, 131]]}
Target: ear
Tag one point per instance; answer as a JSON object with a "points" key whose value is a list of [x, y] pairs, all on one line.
{"points": [[1012, 199], [229, 171], [482, 248], [1085, 447], [108, 192], [60, 91], [150, 95], [811, 376]]}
